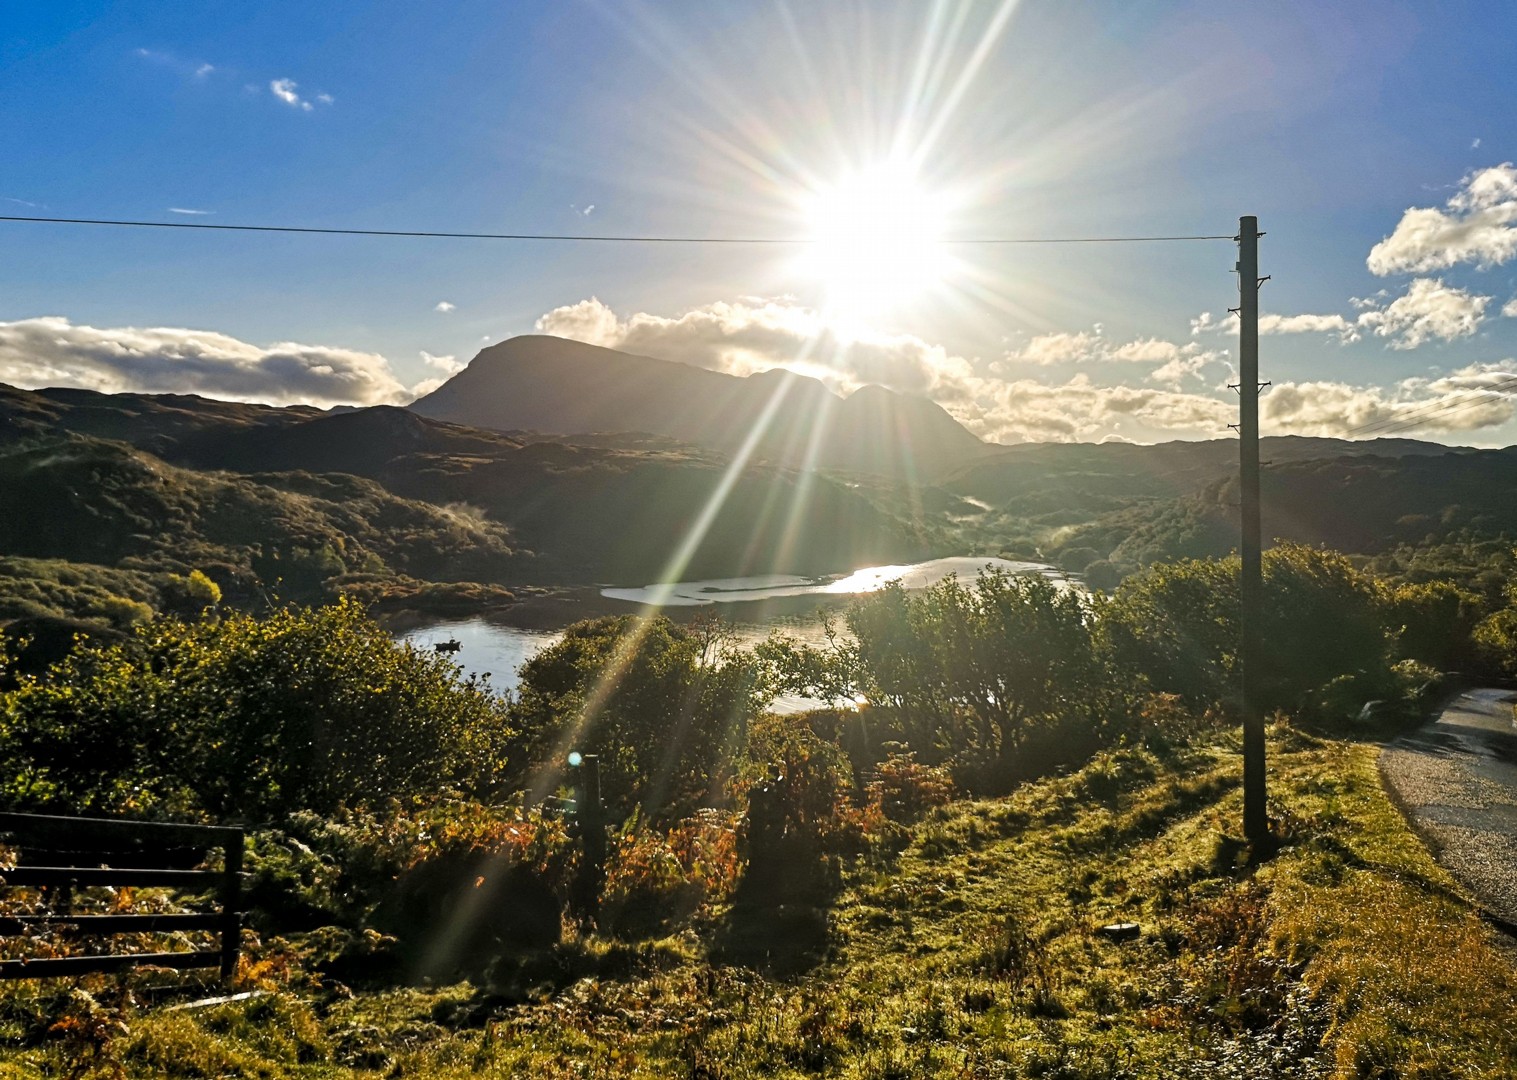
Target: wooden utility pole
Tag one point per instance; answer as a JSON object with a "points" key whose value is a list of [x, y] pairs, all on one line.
{"points": [[1250, 586]]}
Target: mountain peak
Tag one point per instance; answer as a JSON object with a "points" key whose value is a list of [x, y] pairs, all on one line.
{"points": [[541, 383]]}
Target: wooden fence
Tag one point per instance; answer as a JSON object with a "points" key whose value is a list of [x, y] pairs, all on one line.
{"points": [[66, 854]]}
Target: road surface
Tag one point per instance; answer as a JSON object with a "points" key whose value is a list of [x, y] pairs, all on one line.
{"points": [[1457, 780]]}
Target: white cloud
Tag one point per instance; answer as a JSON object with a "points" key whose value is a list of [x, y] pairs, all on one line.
{"points": [[1509, 309], [1423, 406], [444, 306], [755, 334], [1428, 309], [1478, 224], [1174, 373], [1061, 348], [286, 90], [1151, 351], [1080, 410], [51, 351], [186, 68], [1177, 361], [1346, 329], [442, 363], [1307, 324], [187, 210]]}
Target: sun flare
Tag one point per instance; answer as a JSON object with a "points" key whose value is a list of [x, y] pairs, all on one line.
{"points": [[877, 240]]}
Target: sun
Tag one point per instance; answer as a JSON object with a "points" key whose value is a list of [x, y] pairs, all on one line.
{"points": [[876, 240]]}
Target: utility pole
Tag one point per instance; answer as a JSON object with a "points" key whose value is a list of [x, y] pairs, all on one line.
{"points": [[1250, 586]]}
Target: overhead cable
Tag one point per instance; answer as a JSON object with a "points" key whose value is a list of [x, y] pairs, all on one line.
{"points": [[571, 237], [1434, 412]]}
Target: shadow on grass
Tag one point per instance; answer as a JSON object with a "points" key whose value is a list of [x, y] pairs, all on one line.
{"points": [[780, 920]]}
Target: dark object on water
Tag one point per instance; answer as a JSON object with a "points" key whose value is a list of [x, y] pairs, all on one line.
{"points": [[452, 645], [1120, 931]]}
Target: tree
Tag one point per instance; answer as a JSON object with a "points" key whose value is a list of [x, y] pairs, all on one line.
{"points": [[966, 672], [248, 718], [1436, 623], [666, 711], [1176, 626]]}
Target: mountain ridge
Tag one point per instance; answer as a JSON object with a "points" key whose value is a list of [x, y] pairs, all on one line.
{"points": [[544, 383]]}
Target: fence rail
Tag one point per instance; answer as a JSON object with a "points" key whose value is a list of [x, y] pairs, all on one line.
{"points": [[62, 854]]}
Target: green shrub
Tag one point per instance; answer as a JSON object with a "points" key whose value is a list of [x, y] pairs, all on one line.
{"points": [[1176, 627], [665, 709], [248, 718]]}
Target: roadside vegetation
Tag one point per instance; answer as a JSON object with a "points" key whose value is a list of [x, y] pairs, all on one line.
{"points": [[917, 885]]}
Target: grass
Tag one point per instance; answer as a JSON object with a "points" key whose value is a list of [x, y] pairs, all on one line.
{"points": [[973, 951]]}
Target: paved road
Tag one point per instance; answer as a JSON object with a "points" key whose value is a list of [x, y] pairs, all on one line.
{"points": [[1457, 778]]}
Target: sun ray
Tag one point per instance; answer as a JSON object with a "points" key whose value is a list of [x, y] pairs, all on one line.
{"points": [[629, 644], [928, 142]]}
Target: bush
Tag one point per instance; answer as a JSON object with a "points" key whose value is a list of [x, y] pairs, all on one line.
{"points": [[307, 709], [656, 880], [1176, 627], [798, 788], [904, 789], [666, 710]]}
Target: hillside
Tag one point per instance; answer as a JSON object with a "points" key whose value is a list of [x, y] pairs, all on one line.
{"points": [[100, 503], [1362, 504], [254, 495], [554, 385], [969, 946], [619, 506]]}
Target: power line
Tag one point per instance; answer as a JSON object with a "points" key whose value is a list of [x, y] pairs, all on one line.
{"points": [[569, 237], [1433, 412]]}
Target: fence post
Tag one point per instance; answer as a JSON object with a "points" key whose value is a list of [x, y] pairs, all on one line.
{"points": [[592, 834], [231, 903]]}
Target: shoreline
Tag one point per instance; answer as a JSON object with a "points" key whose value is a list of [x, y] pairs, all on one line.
{"points": [[558, 608], [554, 607]]}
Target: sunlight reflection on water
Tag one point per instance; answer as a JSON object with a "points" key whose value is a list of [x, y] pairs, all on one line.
{"points": [[868, 579], [502, 650]]}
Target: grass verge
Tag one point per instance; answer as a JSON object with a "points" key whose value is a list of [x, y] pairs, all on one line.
{"points": [[973, 951]]}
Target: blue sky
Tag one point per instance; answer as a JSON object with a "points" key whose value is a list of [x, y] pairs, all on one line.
{"points": [[1328, 121]]}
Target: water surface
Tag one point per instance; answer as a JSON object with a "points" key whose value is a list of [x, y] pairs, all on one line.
{"points": [[501, 650]]}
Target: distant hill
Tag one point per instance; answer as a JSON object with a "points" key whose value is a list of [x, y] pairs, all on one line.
{"points": [[1054, 474], [551, 384], [151, 421], [1360, 503], [102, 503], [614, 508]]}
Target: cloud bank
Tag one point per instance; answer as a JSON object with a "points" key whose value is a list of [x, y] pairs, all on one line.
{"points": [[52, 351], [752, 335], [997, 402]]}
